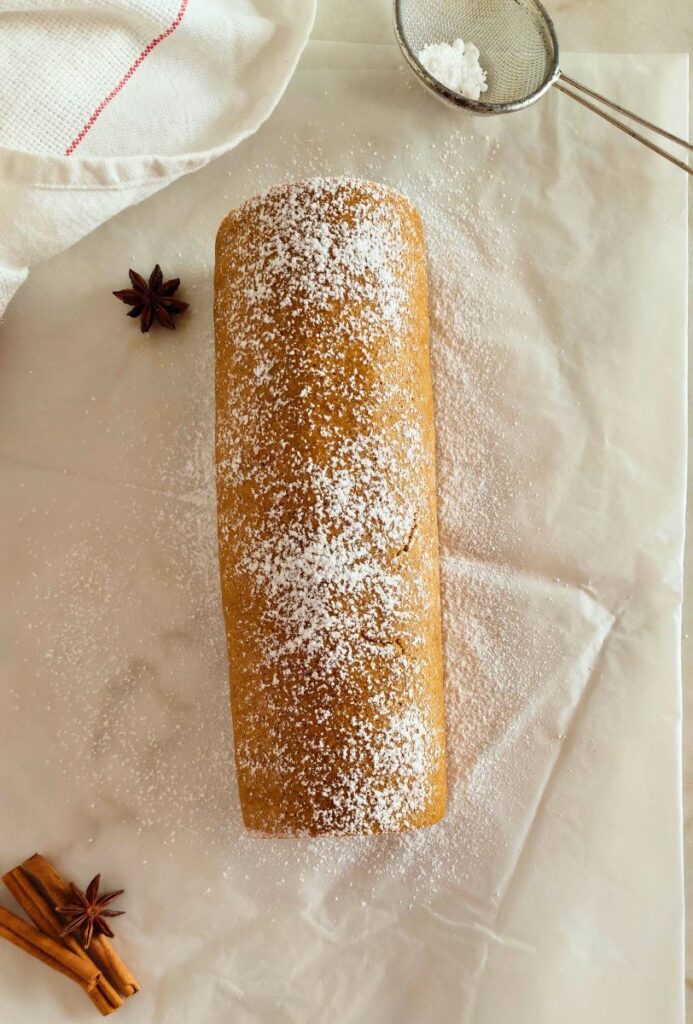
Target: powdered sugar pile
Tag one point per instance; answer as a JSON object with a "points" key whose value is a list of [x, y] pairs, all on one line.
{"points": [[455, 65]]}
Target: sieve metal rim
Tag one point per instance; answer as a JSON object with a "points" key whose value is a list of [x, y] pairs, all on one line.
{"points": [[479, 106]]}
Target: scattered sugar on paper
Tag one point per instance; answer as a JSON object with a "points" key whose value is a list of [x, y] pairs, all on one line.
{"points": [[128, 708]]}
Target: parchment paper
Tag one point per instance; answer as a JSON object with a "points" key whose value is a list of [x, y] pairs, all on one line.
{"points": [[552, 894]]}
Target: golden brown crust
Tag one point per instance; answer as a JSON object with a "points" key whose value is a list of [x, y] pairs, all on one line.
{"points": [[327, 512]]}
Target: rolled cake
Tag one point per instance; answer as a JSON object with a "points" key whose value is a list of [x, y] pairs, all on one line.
{"points": [[327, 511]]}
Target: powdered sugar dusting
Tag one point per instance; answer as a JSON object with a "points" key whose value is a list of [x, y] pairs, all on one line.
{"points": [[124, 593], [331, 572], [331, 585]]}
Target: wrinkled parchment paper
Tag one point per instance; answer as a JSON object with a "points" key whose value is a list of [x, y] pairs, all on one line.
{"points": [[552, 893]]}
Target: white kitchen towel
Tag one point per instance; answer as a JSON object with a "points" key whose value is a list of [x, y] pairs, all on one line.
{"points": [[102, 102]]}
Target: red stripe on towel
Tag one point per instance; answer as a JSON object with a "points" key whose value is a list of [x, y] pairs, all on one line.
{"points": [[126, 77]]}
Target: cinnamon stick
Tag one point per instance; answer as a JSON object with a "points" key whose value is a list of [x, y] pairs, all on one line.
{"points": [[41, 912], [57, 890], [48, 950]]}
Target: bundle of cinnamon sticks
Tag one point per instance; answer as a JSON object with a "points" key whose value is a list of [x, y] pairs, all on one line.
{"points": [[39, 888]]}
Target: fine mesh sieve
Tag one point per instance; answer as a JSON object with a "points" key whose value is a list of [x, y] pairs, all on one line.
{"points": [[519, 52]]}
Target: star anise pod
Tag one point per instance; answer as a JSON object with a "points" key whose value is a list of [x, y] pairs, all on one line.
{"points": [[152, 298], [87, 911]]}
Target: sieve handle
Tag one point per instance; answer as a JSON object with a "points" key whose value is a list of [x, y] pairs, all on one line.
{"points": [[564, 81]]}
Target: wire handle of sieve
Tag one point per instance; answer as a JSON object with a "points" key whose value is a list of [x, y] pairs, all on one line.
{"points": [[564, 80]]}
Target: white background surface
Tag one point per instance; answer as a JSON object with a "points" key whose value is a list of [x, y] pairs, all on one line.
{"points": [[109, 472], [648, 27]]}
